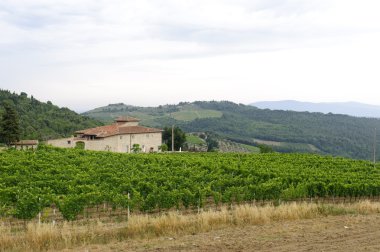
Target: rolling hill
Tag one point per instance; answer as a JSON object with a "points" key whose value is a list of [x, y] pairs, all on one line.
{"points": [[42, 121], [285, 131]]}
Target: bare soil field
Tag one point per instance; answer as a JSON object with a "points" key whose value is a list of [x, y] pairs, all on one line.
{"points": [[332, 233]]}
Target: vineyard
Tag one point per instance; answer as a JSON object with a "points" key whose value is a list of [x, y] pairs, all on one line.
{"points": [[73, 180]]}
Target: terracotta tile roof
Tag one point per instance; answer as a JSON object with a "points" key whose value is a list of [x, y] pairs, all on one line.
{"points": [[102, 131], [26, 142], [115, 129]]}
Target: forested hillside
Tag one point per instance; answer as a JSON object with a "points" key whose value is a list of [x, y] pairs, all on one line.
{"points": [[39, 120], [286, 131]]}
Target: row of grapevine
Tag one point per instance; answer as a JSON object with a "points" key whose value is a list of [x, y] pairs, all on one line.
{"points": [[73, 180]]}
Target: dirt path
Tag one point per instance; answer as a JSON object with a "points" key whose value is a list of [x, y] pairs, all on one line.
{"points": [[334, 233]]}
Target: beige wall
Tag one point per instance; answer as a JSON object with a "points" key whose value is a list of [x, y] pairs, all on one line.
{"points": [[62, 142], [119, 143], [105, 144], [146, 141]]}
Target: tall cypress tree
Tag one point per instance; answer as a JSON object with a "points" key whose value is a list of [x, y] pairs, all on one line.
{"points": [[9, 125]]}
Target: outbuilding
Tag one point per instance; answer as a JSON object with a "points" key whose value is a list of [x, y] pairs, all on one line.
{"points": [[25, 144]]}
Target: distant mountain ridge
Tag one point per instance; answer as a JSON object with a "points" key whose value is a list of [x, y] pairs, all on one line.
{"points": [[346, 108]]}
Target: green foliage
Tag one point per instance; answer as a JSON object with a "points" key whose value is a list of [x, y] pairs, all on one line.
{"points": [[333, 134], [250, 148], [27, 206], [71, 206], [149, 115], [136, 148], [42, 121], [74, 179], [179, 137], [163, 147], [80, 145], [212, 143], [193, 139], [189, 113], [9, 124], [265, 148]]}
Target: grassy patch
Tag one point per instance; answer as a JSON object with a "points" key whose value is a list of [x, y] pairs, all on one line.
{"points": [[327, 210], [192, 139], [190, 114], [251, 148]]}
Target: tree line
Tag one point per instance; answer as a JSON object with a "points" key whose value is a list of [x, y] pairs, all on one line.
{"points": [[9, 125], [42, 121]]}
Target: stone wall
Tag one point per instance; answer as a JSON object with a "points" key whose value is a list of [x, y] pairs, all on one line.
{"points": [[62, 142], [119, 143], [148, 142]]}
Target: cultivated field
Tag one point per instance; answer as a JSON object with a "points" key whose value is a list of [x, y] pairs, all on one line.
{"points": [[78, 183], [54, 199]]}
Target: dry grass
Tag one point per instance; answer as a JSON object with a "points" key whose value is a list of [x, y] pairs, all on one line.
{"points": [[67, 235]]}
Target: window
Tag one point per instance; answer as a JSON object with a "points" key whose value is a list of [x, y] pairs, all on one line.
{"points": [[127, 148], [69, 142], [121, 137]]}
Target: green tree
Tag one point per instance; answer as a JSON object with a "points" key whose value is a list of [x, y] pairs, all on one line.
{"points": [[163, 147], [179, 137], [9, 125], [212, 144], [136, 148], [265, 148]]}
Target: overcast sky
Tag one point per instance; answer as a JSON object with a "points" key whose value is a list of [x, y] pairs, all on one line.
{"points": [[88, 53]]}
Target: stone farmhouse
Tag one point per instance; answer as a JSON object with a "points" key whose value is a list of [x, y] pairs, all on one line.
{"points": [[117, 137]]}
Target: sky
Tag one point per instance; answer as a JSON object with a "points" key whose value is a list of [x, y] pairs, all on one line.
{"points": [[84, 54]]}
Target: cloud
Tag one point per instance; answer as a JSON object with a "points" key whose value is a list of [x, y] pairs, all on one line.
{"points": [[215, 26], [117, 44]]}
